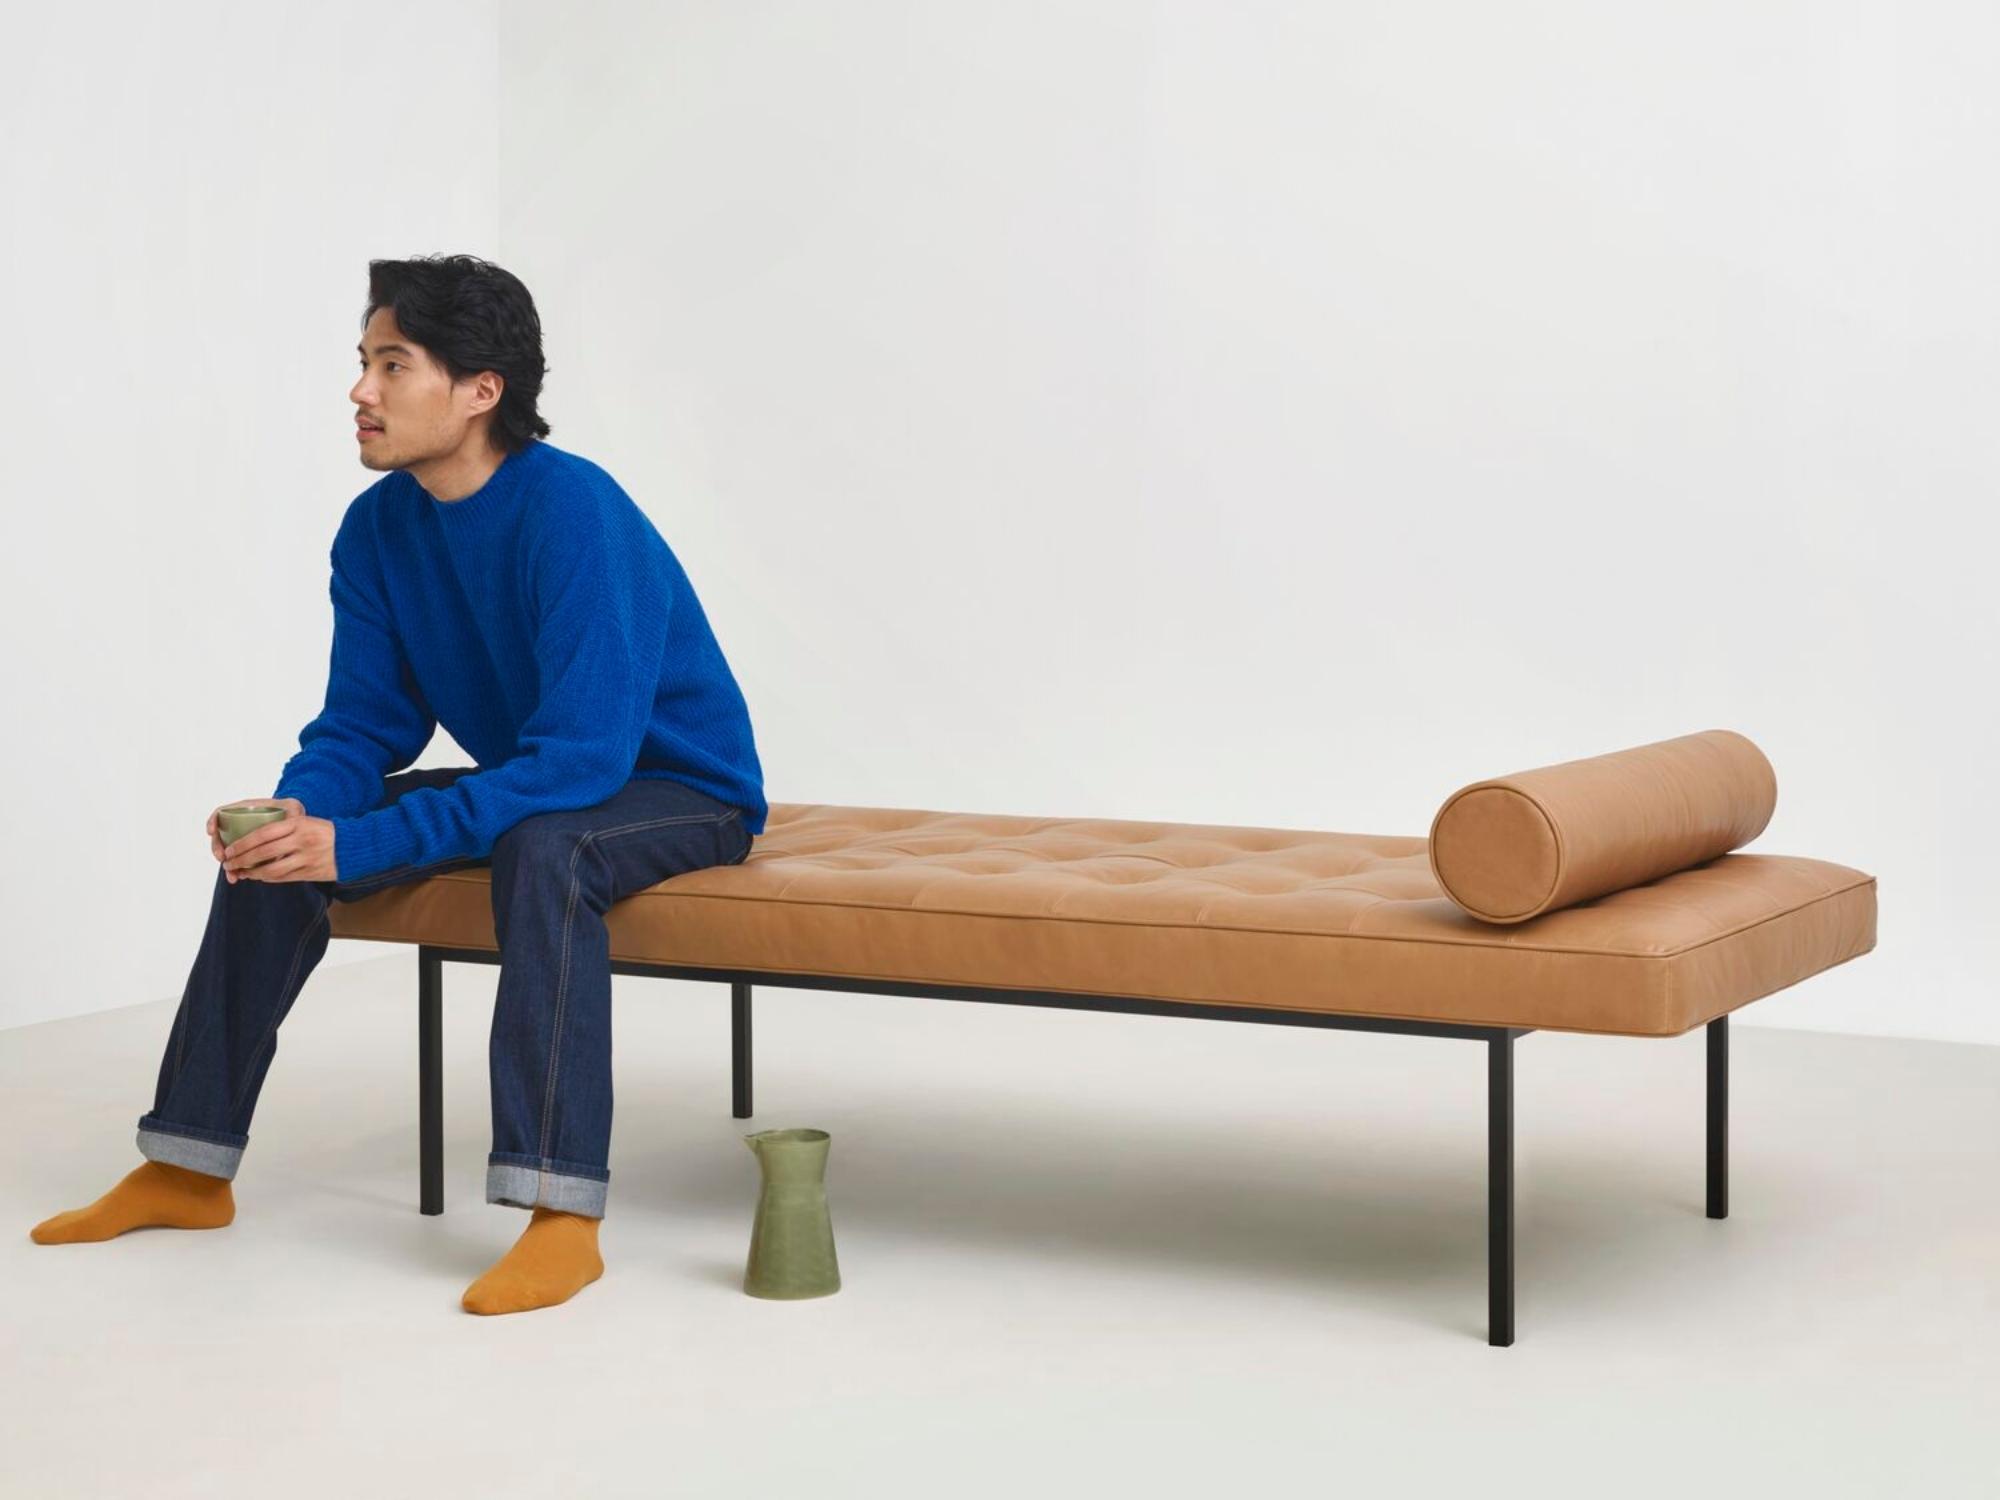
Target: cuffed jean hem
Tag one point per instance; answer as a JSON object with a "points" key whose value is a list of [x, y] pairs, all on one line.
{"points": [[537, 1182], [198, 1153]]}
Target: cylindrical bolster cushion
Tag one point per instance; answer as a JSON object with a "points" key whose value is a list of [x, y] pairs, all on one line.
{"points": [[1516, 846]]}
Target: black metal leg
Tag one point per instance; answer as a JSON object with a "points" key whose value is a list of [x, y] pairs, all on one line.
{"points": [[739, 1049], [430, 1081], [1718, 1118], [1499, 1072], [1500, 1189]]}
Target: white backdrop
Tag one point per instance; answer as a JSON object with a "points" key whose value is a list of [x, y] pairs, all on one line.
{"points": [[189, 198], [1260, 414]]}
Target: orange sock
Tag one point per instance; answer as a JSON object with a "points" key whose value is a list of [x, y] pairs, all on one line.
{"points": [[555, 1258], [153, 1194]]}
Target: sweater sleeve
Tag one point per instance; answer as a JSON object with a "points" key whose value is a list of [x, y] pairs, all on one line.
{"points": [[375, 720], [601, 610]]}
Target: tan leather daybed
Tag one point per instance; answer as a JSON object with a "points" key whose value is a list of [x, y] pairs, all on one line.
{"points": [[1597, 895]]}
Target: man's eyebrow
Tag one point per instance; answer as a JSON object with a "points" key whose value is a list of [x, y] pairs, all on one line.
{"points": [[386, 349]]}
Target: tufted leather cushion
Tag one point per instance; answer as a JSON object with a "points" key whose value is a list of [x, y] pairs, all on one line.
{"points": [[1512, 847], [1276, 917]]}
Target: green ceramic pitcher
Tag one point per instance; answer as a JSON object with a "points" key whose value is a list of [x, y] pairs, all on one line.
{"points": [[791, 1243]]}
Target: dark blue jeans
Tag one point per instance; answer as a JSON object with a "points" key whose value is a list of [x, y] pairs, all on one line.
{"points": [[554, 877]]}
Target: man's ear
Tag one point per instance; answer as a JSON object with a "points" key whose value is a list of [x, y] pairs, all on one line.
{"points": [[487, 390]]}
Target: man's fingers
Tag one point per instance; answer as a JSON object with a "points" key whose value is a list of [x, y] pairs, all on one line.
{"points": [[236, 857], [277, 869], [260, 846], [275, 831]]}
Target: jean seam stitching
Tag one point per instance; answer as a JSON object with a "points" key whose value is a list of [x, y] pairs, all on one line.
{"points": [[562, 971], [562, 999], [180, 1045], [605, 833], [277, 1012], [401, 874]]}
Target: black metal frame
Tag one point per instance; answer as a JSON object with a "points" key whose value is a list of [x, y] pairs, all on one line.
{"points": [[1499, 1040]]}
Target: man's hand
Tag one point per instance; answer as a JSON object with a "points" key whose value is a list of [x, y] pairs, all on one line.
{"points": [[216, 847], [295, 847]]}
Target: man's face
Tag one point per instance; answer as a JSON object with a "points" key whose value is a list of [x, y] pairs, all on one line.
{"points": [[402, 391]]}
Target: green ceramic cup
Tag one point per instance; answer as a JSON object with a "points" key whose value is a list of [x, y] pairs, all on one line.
{"points": [[232, 822]]}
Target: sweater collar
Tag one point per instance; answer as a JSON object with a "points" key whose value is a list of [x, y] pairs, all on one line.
{"points": [[491, 497]]}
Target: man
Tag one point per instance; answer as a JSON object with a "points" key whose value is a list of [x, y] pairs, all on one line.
{"points": [[514, 593]]}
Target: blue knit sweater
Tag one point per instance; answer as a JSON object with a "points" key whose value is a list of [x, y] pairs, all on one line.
{"points": [[546, 624]]}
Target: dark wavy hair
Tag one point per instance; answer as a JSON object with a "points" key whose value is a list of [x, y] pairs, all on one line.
{"points": [[471, 316]]}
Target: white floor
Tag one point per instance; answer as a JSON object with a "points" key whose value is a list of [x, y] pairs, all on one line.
{"points": [[1082, 1254]]}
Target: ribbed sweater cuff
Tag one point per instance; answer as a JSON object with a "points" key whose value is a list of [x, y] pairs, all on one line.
{"points": [[372, 843], [316, 793]]}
